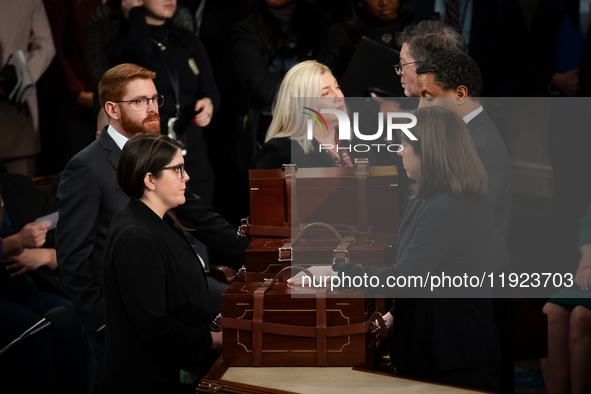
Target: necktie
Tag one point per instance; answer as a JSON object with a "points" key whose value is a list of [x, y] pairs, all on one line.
{"points": [[452, 13]]}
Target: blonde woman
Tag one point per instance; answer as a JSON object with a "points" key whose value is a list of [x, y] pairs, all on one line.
{"points": [[307, 88]]}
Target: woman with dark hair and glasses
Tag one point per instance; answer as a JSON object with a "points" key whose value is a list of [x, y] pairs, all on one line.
{"points": [[156, 295], [447, 228]]}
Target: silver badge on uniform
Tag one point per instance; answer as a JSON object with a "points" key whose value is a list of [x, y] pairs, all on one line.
{"points": [[171, 132]]}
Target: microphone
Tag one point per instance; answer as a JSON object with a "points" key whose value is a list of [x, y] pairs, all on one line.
{"points": [[57, 317]]}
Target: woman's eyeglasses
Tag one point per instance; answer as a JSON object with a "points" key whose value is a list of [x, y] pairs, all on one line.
{"points": [[179, 169]]}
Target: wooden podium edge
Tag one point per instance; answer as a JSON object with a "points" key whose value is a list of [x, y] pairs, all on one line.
{"points": [[361, 369], [218, 369]]}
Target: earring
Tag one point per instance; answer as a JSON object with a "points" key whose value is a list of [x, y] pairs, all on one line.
{"points": [[152, 189]]}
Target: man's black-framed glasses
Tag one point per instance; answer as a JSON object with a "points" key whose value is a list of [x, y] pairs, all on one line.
{"points": [[179, 170], [398, 67], [142, 103]]}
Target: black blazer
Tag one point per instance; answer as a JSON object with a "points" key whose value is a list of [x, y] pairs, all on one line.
{"points": [[274, 153], [444, 234], [88, 197], [279, 151], [493, 154], [157, 304]]}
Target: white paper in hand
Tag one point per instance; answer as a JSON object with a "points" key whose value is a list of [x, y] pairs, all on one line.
{"points": [[52, 217]]}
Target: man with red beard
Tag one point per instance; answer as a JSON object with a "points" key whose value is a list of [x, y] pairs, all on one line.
{"points": [[89, 196]]}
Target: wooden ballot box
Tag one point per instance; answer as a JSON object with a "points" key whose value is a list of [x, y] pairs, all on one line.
{"points": [[314, 216], [363, 197], [308, 248], [269, 324]]}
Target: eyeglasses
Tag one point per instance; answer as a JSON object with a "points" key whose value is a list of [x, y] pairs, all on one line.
{"points": [[398, 67], [179, 169], [142, 103]]}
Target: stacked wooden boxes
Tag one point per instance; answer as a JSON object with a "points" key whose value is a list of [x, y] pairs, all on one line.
{"points": [[304, 217]]}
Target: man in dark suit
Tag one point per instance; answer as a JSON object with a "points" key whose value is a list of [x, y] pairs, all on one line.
{"points": [[452, 80], [89, 196]]}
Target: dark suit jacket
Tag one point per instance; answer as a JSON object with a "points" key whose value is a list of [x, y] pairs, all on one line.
{"points": [[157, 304], [279, 151], [444, 234], [88, 197], [493, 154]]}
